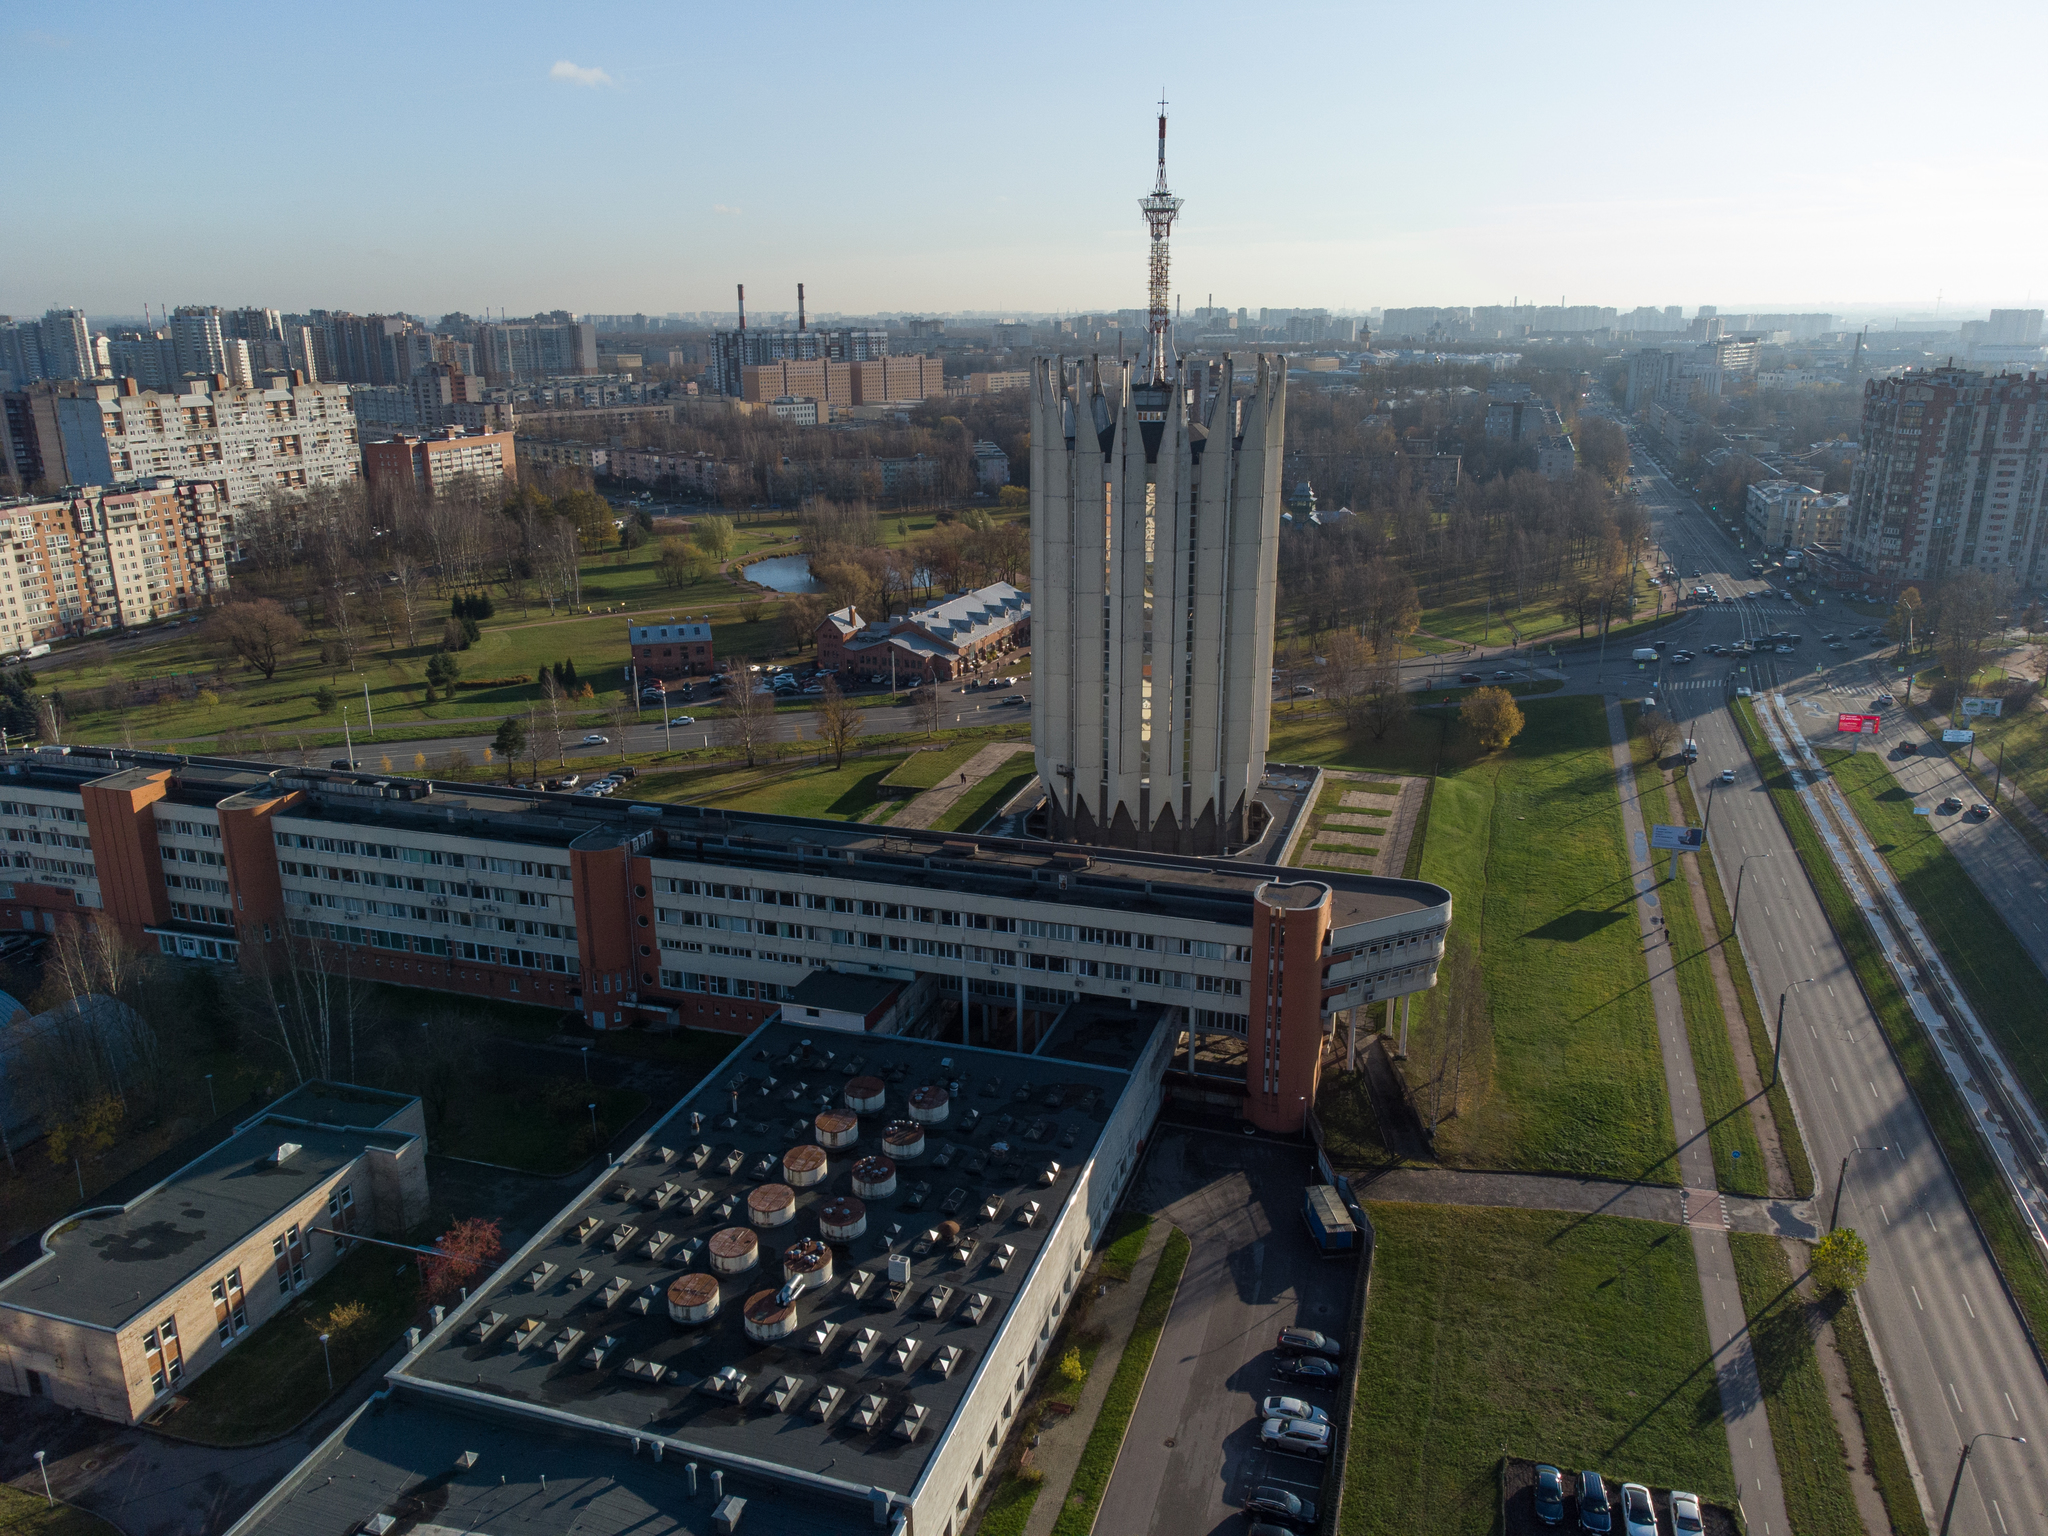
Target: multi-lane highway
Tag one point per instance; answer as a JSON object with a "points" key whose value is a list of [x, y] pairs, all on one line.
{"points": [[1957, 1359]]}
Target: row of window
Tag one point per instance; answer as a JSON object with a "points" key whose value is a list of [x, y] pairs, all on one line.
{"points": [[354, 906], [47, 812], [1405, 941], [474, 891], [1202, 949], [196, 883], [527, 867], [420, 944], [49, 839], [190, 829], [172, 855]]}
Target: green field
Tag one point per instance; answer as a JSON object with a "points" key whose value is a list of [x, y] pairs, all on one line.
{"points": [[851, 793], [26, 1514], [983, 800], [1579, 1340], [1463, 611], [930, 768], [1738, 1156], [1529, 843], [1818, 1498], [2002, 981], [1982, 1185]]}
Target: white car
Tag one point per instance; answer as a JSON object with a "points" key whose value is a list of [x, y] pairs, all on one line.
{"points": [[1299, 1437], [684, 720], [1742, 693], [1291, 1408], [1685, 1513], [1638, 1511], [596, 740]]}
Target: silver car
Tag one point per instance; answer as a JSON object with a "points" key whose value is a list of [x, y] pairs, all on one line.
{"points": [[1299, 1437]]}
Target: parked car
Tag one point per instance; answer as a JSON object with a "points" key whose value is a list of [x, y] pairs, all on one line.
{"points": [[1298, 1437], [1292, 1408], [1304, 691], [597, 739], [1309, 1368], [567, 781], [1275, 1503], [815, 688], [1727, 775], [1638, 1511], [684, 720], [1306, 1341], [1594, 1513], [1549, 1495], [1685, 1513], [1743, 692]]}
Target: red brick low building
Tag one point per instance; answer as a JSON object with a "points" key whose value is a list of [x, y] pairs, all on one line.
{"points": [[678, 648], [942, 641]]}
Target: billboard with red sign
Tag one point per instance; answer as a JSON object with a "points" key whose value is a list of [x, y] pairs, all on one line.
{"points": [[1858, 725]]}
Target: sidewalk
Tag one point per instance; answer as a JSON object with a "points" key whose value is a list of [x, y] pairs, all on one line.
{"points": [[1750, 1449], [1061, 1439], [934, 803]]}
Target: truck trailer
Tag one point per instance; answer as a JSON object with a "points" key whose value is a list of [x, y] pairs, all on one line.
{"points": [[1328, 1222]]}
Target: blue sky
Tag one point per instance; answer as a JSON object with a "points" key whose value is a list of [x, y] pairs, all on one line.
{"points": [[622, 157]]}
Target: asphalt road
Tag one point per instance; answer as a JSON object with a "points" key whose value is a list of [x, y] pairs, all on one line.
{"points": [[1955, 1354], [1191, 1455]]}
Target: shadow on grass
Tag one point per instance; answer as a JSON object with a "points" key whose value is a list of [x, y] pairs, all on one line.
{"points": [[1573, 926]]}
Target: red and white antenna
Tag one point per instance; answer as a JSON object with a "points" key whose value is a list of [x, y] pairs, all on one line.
{"points": [[1159, 209]]}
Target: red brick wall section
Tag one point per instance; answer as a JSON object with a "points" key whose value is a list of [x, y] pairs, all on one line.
{"points": [[1286, 1010], [124, 851], [607, 926], [250, 847]]}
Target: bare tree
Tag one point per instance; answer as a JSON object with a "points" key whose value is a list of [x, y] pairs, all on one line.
{"points": [[838, 721], [1660, 731], [746, 727], [1381, 698], [259, 633], [621, 715], [930, 708], [552, 705]]}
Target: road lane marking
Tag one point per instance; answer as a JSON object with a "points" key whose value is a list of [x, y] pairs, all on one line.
{"points": [[1953, 1398], [2009, 1407], [1967, 1307], [1833, 1084]]}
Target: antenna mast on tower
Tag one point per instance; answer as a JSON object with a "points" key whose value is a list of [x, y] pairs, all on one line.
{"points": [[1159, 209]]}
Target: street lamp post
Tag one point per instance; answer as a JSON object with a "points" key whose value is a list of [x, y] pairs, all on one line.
{"points": [[1842, 1180], [212, 1106], [593, 1124], [1741, 870], [1778, 1049], [1963, 1461], [328, 1355], [49, 1498], [586, 1063]]}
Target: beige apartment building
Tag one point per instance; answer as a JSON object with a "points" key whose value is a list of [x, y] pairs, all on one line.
{"points": [[432, 464], [101, 556], [844, 385], [129, 1303]]}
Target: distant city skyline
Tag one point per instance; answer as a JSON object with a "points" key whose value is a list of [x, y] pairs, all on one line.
{"points": [[645, 160]]}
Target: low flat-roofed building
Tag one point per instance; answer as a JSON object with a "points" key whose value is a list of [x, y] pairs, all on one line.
{"points": [[833, 1268], [673, 648], [129, 1302]]}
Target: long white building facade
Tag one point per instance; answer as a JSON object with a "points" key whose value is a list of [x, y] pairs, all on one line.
{"points": [[1155, 511]]}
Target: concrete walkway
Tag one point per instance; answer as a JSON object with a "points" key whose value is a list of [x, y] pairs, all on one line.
{"points": [[934, 803], [1061, 1438], [1761, 1492]]}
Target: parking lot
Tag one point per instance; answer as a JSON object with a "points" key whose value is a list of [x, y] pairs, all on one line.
{"points": [[1192, 1455]]}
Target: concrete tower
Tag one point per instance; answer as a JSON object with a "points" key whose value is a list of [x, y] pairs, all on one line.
{"points": [[1154, 520]]}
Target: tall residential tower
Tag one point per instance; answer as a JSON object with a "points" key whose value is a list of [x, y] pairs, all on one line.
{"points": [[1155, 508]]}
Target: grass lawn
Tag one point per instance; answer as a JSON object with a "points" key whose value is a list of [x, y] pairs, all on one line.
{"points": [[1968, 1159], [1579, 1340], [1106, 1439], [26, 1514], [274, 1377], [1811, 1458], [1412, 747], [2003, 982], [1463, 610], [1529, 843], [983, 800], [1738, 1156], [933, 767], [539, 1125], [1127, 1240], [849, 793]]}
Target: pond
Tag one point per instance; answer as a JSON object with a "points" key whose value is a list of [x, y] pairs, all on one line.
{"points": [[785, 573]]}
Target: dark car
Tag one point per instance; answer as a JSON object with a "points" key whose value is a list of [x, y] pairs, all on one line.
{"points": [[342, 762], [1470, 678], [1549, 1495], [1309, 1368], [1594, 1512], [1306, 1341], [1273, 1503]]}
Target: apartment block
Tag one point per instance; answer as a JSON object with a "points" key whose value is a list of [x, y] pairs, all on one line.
{"points": [[431, 466], [128, 1304], [532, 349], [733, 352], [101, 556], [1952, 476], [844, 385], [1784, 514], [662, 915], [283, 435]]}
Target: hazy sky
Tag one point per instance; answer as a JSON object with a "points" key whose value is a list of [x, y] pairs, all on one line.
{"points": [[441, 156]]}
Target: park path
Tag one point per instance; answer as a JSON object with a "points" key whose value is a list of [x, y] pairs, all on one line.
{"points": [[1750, 1448], [1591, 1197], [934, 803]]}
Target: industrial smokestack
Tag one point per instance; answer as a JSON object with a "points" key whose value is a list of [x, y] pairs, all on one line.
{"points": [[743, 306], [799, 306]]}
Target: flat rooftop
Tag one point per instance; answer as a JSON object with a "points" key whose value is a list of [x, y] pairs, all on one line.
{"points": [[339, 1104], [401, 1457], [940, 863], [580, 1321], [104, 1267]]}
